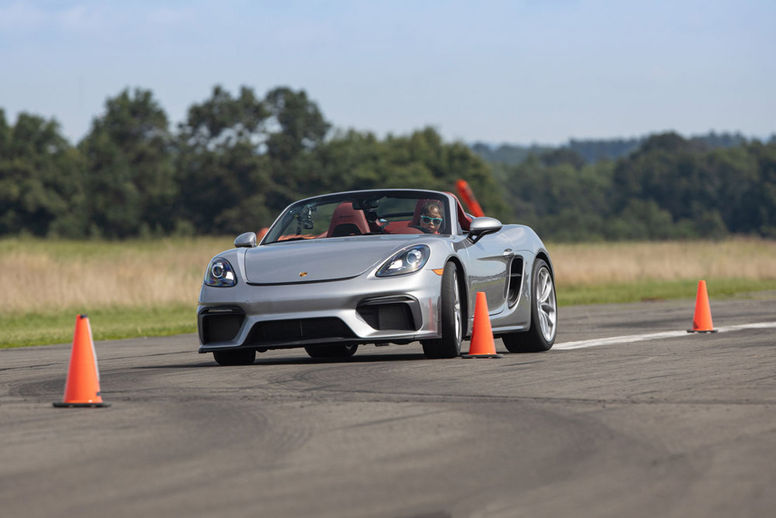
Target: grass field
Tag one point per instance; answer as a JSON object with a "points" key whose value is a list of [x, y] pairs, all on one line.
{"points": [[629, 272], [150, 287]]}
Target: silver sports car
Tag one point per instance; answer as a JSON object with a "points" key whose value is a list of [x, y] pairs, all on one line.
{"points": [[376, 267]]}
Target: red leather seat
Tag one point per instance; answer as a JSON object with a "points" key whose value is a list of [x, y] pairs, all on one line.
{"points": [[347, 221]]}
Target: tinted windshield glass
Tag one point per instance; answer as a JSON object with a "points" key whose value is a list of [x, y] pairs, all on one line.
{"points": [[363, 213]]}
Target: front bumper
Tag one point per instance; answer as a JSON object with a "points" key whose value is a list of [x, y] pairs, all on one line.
{"points": [[364, 309]]}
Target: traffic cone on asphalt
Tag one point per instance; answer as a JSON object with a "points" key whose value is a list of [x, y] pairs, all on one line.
{"points": [[482, 344], [701, 320], [82, 388]]}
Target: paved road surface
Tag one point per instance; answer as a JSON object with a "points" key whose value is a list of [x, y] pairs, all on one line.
{"points": [[681, 426]]}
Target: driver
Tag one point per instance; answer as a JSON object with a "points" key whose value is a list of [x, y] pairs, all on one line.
{"points": [[431, 217]]}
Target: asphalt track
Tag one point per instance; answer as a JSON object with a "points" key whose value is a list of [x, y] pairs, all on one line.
{"points": [[680, 425]]}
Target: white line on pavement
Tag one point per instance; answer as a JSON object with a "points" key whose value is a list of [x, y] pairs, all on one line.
{"points": [[652, 336]]}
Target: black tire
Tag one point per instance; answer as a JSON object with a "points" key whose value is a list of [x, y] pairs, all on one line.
{"points": [[235, 357], [449, 346], [331, 350], [544, 315]]}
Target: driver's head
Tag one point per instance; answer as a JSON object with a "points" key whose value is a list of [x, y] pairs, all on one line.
{"points": [[431, 217]]}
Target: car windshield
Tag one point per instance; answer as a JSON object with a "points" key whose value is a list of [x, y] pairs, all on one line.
{"points": [[363, 213]]}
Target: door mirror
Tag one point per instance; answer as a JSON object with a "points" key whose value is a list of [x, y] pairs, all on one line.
{"points": [[482, 226], [246, 240]]}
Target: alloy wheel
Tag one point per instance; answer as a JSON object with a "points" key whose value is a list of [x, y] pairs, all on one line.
{"points": [[546, 304]]}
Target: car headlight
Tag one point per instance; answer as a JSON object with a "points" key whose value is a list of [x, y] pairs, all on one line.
{"points": [[220, 273], [407, 261]]}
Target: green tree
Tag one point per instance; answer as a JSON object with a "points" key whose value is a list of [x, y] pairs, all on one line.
{"points": [[681, 177], [296, 128], [643, 219], [350, 160], [560, 197], [223, 174], [5, 134], [421, 160], [762, 197], [298, 122], [130, 173], [41, 187]]}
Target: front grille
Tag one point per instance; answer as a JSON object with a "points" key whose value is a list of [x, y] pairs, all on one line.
{"points": [[297, 330]]}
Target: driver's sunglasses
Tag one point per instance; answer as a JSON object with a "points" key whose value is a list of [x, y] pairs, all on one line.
{"points": [[429, 219]]}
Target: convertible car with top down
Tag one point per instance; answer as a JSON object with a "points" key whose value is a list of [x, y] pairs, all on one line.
{"points": [[376, 267]]}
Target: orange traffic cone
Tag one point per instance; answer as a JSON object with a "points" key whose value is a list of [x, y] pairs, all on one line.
{"points": [[468, 197], [82, 388], [701, 321], [482, 345]]}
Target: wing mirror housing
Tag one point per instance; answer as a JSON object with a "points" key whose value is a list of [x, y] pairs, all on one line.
{"points": [[246, 240], [482, 226]]}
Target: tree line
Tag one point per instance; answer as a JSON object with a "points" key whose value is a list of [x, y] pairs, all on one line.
{"points": [[669, 188], [232, 165], [595, 150], [238, 159]]}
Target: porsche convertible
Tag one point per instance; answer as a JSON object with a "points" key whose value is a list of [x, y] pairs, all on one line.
{"points": [[376, 267]]}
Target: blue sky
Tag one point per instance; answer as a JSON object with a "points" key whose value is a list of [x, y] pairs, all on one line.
{"points": [[525, 71]]}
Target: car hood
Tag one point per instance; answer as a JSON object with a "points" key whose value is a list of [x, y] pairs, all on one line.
{"points": [[321, 259]]}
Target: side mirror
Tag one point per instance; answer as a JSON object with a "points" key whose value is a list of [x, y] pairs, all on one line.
{"points": [[246, 240], [482, 226]]}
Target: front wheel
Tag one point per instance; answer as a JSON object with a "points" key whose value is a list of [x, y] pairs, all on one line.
{"points": [[331, 350], [544, 315], [235, 357], [449, 346]]}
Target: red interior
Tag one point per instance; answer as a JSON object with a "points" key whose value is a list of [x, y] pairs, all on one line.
{"points": [[347, 221]]}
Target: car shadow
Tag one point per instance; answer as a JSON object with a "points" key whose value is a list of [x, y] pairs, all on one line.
{"points": [[364, 358]]}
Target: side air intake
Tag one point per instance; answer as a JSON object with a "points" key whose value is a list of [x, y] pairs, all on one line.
{"points": [[515, 281]]}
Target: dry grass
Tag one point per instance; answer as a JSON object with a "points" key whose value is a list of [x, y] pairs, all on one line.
{"points": [[41, 276], [591, 264]]}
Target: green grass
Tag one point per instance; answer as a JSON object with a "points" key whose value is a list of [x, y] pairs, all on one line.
{"points": [[130, 322], [55, 327]]}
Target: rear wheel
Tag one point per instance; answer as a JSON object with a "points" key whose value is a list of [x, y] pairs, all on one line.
{"points": [[235, 357], [331, 350], [449, 346], [544, 315]]}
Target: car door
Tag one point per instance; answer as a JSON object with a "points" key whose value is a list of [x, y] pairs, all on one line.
{"points": [[488, 259]]}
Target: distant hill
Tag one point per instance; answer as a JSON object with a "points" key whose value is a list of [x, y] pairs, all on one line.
{"points": [[593, 151]]}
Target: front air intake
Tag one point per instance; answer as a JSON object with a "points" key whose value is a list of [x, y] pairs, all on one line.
{"points": [[397, 313], [515, 281], [220, 324]]}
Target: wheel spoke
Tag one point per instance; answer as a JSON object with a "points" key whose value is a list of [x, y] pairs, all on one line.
{"points": [[547, 288], [545, 303], [457, 309], [543, 323], [548, 327]]}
